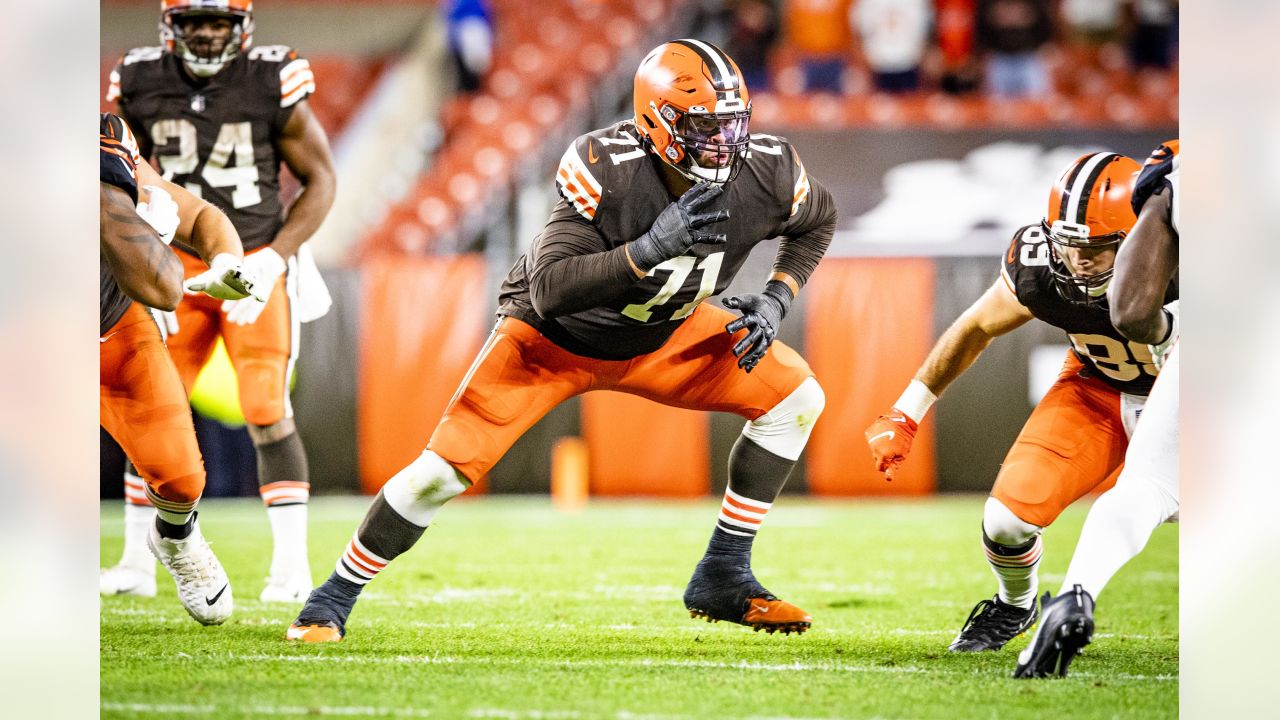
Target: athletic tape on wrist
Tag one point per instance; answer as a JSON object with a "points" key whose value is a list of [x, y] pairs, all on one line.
{"points": [[916, 401]]}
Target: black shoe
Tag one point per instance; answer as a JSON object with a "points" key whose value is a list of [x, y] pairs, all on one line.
{"points": [[1067, 628], [324, 617], [991, 624], [724, 588]]}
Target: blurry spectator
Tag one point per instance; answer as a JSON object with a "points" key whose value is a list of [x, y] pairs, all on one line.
{"points": [[470, 31], [752, 28], [1094, 32], [1013, 34], [1155, 33], [894, 37], [819, 32], [955, 41]]}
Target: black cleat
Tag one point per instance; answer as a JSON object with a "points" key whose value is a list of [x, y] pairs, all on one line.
{"points": [[324, 617], [1066, 629], [991, 624], [724, 588]]}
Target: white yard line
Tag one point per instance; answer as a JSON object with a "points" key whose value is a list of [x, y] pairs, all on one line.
{"points": [[637, 663], [372, 711]]}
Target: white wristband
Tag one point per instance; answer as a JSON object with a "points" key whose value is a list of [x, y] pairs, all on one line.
{"points": [[915, 401], [222, 261]]}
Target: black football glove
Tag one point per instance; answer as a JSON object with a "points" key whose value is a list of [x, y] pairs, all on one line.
{"points": [[762, 315], [677, 227]]}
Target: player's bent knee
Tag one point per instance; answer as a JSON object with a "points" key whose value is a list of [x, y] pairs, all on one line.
{"points": [[1001, 525], [784, 429], [271, 432], [182, 489], [417, 491]]}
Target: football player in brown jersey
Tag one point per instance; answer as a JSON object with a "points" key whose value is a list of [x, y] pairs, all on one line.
{"points": [[219, 114], [142, 403], [1074, 442], [1146, 493], [656, 213]]}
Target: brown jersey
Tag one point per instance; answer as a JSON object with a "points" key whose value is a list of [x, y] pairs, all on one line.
{"points": [[218, 136], [117, 159], [1125, 365], [611, 190]]}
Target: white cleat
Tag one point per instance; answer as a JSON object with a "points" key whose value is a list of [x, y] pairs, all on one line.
{"points": [[289, 589], [125, 579], [203, 586]]}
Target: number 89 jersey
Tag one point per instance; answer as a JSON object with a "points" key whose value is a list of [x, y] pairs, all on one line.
{"points": [[217, 136], [1124, 365]]}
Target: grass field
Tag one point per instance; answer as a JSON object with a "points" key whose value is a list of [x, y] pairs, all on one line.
{"points": [[507, 609]]}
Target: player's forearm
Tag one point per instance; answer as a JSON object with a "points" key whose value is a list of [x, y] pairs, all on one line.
{"points": [[143, 266], [953, 354], [807, 237], [566, 285], [306, 215], [1144, 265], [213, 234]]}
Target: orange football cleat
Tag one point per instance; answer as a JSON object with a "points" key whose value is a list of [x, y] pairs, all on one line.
{"points": [[769, 614], [320, 633]]}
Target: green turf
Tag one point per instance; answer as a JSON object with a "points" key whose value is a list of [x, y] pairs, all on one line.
{"points": [[507, 609]]}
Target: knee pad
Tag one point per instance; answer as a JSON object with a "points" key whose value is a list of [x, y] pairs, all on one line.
{"points": [[418, 491], [784, 429], [1003, 527], [262, 391]]}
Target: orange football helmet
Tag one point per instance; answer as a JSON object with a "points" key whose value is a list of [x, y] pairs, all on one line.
{"points": [[174, 39], [1089, 208], [692, 107]]}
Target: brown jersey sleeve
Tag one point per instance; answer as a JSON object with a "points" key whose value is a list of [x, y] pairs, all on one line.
{"points": [[807, 233], [572, 269]]}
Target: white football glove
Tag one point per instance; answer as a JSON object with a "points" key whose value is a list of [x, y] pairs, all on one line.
{"points": [[266, 266], [1160, 350], [168, 322], [160, 212], [226, 279]]}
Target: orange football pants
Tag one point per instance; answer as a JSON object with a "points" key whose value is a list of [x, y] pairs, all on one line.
{"points": [[143, 406], [262, 354], [1073, 443], [520, 375]]}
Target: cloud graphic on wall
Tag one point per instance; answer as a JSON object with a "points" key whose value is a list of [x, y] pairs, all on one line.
{"points": [[997, 187]]}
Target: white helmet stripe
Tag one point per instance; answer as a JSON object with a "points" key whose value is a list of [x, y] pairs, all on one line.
{"points": [[1082, 185], [730, 78]]}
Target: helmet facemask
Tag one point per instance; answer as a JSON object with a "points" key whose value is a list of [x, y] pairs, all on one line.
{"points": [[708, 147], [182, 42], [1078, 289]]}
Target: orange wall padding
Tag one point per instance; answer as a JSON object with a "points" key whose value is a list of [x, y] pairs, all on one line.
{"points": [[422, 321], [869, 325], [638, 447]]}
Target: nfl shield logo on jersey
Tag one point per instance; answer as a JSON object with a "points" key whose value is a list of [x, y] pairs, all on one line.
{"points": [[197, 103]]}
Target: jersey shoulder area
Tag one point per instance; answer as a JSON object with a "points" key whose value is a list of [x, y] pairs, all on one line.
{"points": [[1156, 173], [118, 154], [1025, 265], [135, 64], [776, 165], [282, 67], [599, 162]]}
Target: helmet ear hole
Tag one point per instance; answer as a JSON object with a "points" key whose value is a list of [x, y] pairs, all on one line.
{"points": [[649, 121]]}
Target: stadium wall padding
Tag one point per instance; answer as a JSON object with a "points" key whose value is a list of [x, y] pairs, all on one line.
{"points": [[324, 396], [422, 321], [868, 326]]}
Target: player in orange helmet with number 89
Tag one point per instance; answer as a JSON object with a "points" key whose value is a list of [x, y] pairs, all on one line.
{"points": [[1074, 442]]}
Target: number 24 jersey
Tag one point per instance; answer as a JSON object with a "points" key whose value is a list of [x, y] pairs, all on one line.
{"points": [[217, 136]]}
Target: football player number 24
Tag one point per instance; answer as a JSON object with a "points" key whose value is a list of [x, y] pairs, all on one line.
{"points": [[230, 162], [679, 267]]}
